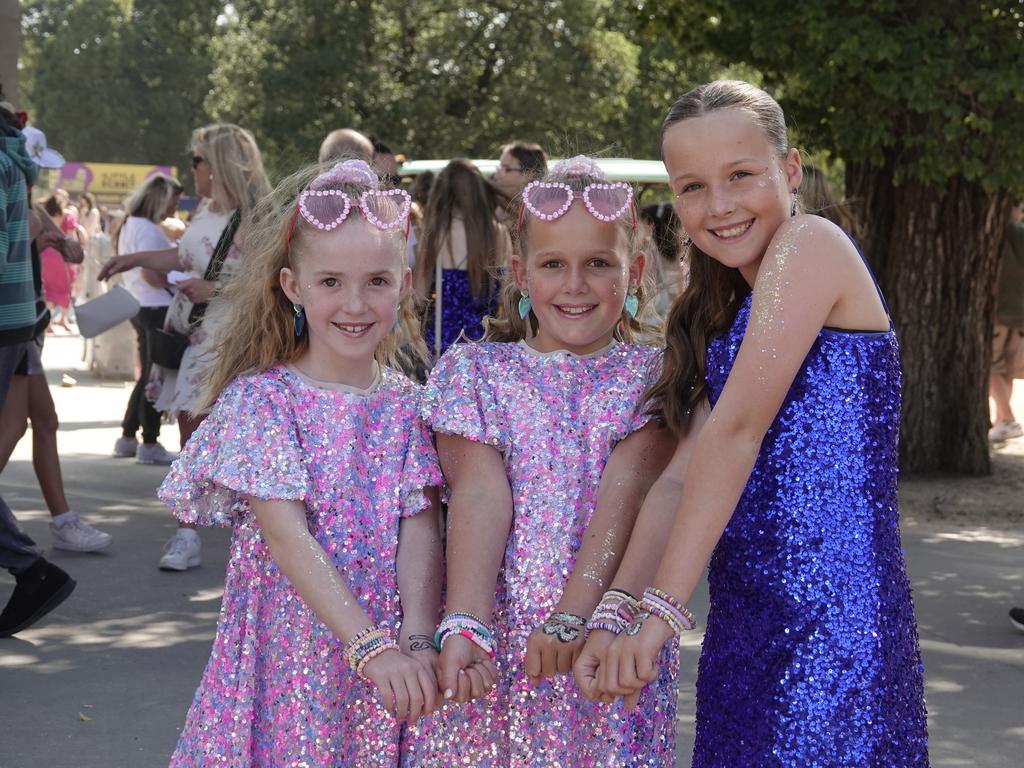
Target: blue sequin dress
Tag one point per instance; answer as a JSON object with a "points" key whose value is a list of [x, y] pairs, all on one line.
{"points": [[811, 652], [460, 311]]}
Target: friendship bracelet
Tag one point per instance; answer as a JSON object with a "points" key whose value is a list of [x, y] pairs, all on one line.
{"points": [[367, 645], [616, 611], [658, 603], [373, 654], [468, 626]]}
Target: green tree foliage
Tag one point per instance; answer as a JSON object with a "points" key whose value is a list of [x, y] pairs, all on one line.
{"points": [[429, 78], [922, 102], [936, 89], [115, 80]]}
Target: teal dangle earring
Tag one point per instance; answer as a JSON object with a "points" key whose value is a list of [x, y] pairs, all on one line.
{"points": [[524, 304], [632, 302], [300, 319]]}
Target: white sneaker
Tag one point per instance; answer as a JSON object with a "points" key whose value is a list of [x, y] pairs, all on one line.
{"points": [[125, 447], [75, 535], [1005, 430], [181, 552], [154, 454]]}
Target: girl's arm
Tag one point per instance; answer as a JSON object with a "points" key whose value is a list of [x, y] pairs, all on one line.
{"points": [[163, 260], [643, 553], [479, 520], [405, 687], [801, 280], [420, 563], [634, 464]]}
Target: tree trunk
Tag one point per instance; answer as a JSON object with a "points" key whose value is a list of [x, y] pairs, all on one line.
{"points": [[10, 32], [935, 251]]}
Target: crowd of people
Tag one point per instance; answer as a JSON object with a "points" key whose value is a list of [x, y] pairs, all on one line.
{"points": [[613, 395]]}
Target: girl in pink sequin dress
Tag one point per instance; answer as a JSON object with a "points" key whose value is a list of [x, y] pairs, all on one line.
{"points": [[316, 455], [532, 426]]}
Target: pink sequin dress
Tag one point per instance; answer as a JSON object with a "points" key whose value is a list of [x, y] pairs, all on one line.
{"points": [[555, 418], [276, 691]]}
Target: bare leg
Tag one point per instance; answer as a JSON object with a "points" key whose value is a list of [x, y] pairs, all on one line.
{"points": [[45, 459], [1000, 390], [13, 418]]}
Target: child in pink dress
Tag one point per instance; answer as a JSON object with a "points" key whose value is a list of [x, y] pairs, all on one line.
{"points": [[315, 454], [526, 427]]}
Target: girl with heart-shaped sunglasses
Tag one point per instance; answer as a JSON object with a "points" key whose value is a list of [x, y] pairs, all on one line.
{"points": [[315, 452], [546, 451]]}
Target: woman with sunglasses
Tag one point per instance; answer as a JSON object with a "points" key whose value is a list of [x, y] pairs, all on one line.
{"points": [[546, 450], [230, 179]]}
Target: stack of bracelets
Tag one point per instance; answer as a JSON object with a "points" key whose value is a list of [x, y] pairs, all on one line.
{"points": [[616, 611], [470, 627], [565, 626], [367, 645], [667, 608]]}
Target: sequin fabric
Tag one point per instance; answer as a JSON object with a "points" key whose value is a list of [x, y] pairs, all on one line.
{"points": [[460, 311], [810, 656], [555, 418], [276, 691]]}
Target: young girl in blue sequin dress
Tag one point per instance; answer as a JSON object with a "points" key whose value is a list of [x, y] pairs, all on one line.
{"points": [[543, 437], [810, 656], [316, 456]]}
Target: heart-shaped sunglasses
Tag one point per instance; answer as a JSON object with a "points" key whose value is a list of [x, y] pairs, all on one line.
{"points": [[548, 200], [327, 209]]}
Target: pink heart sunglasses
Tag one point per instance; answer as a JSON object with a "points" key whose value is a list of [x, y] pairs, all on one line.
{"points": [[327, 209], [549, 200]]}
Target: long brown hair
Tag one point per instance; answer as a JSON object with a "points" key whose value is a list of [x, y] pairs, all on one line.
{"points": [[256, 329], [507, 325], [461, 190], [714, 293]]}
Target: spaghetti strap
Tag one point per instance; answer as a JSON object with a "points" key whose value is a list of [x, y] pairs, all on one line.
{"points": [[878, 288]]}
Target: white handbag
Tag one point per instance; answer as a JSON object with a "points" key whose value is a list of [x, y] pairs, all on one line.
{"points": [[105, 311]]}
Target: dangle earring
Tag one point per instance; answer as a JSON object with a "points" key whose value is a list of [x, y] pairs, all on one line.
{"points": [[686, 240], [398, 317], [300, 319], [524, 304], [796, 202], [632, 302]]}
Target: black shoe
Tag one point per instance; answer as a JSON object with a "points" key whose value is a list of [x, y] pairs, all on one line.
{"points": [[1017, 618], [38, 591]]}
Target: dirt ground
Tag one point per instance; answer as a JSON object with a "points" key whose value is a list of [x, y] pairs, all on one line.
{"points": [[995, 502]]}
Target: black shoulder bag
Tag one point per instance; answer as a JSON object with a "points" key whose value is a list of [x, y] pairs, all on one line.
{"points": [[166, 348]]}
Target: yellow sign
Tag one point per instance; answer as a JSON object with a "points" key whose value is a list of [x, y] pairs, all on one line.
{"points": [[111, 183]]}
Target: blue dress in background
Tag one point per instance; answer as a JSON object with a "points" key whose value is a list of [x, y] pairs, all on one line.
{"points": [[460, 311], [811, 652]]}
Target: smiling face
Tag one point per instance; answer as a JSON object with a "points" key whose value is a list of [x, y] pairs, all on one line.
{"points": [[578, 272], [350, 282], [732, 189]]}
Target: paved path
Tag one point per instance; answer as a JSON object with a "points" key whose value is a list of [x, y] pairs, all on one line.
{"points": [[105, 681]]}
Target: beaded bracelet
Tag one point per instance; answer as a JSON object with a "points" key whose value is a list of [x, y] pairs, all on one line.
{"points": [[658, 603], [567, 627], [468, 626], [616, 611], [367, 645]]}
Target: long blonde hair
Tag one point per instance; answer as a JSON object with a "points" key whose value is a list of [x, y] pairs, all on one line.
{"points": [[256, 328], [236, 164], [507, 325]]}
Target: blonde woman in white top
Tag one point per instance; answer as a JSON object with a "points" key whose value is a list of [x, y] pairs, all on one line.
{"points": [[229, 175]]}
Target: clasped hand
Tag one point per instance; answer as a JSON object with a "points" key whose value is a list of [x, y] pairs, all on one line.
{"points": [[612, 665]]}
